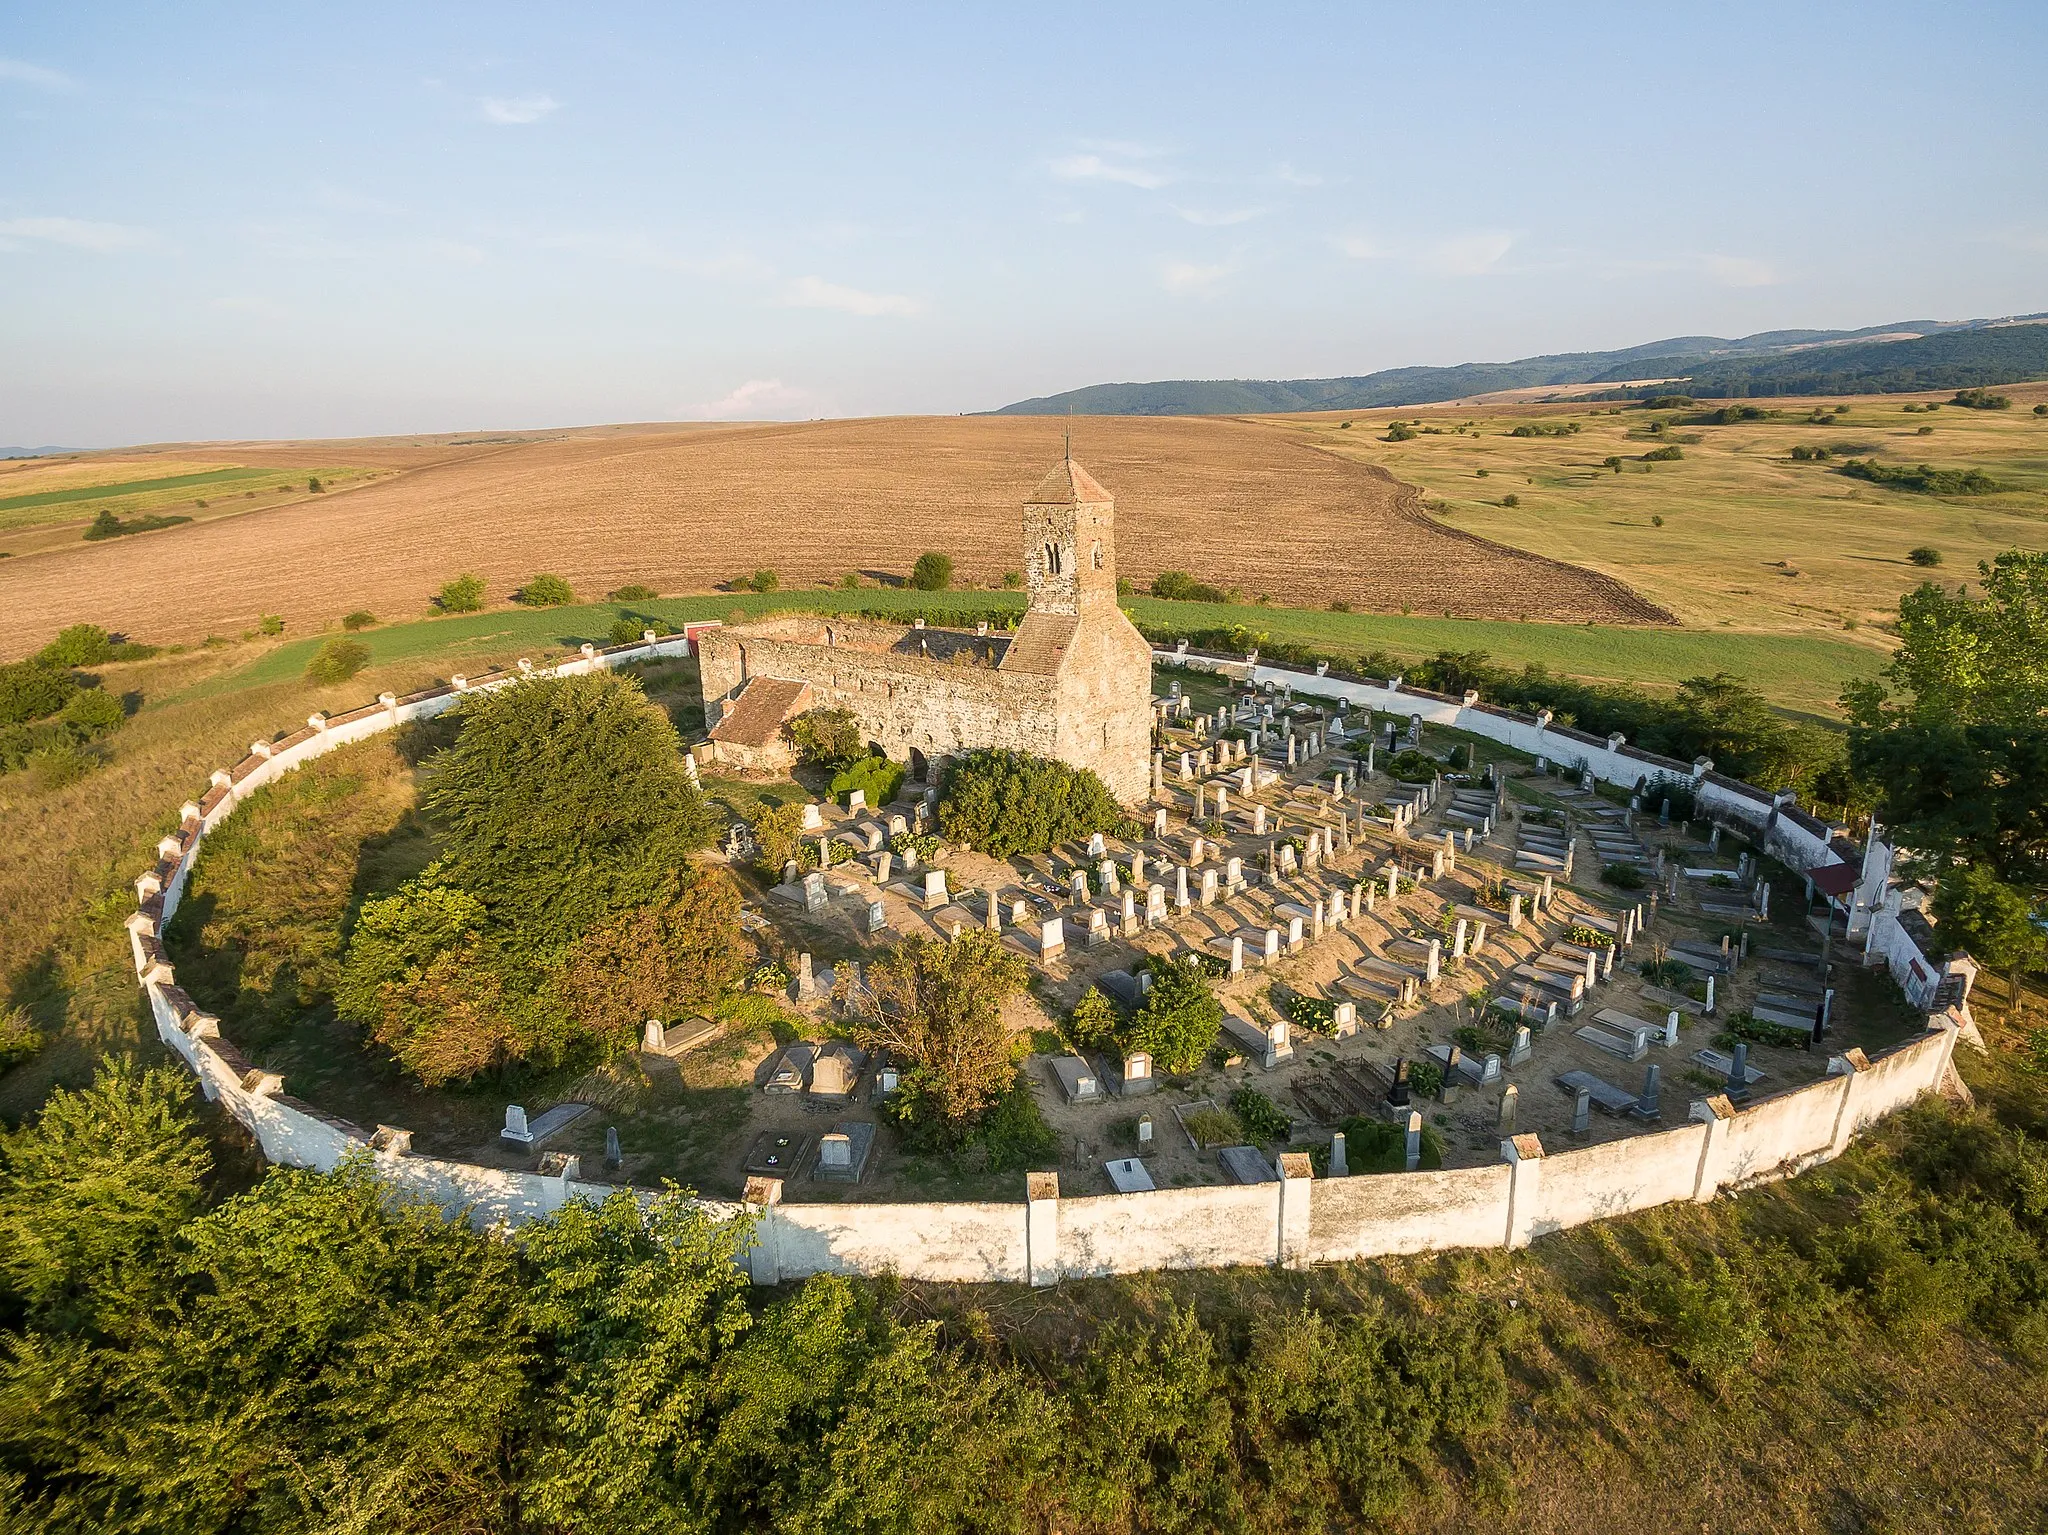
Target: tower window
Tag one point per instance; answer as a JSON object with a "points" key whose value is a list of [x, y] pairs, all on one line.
{"points": [[1095, 554], [1052, 559]]}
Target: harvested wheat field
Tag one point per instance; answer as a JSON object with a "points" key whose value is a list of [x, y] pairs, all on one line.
{"points": [[682, 509]]}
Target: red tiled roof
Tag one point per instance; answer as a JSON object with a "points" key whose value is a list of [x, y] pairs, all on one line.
{"points": [[757, 714]]}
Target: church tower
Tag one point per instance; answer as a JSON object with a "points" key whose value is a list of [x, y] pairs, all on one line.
{"points": [[1070, 543]]}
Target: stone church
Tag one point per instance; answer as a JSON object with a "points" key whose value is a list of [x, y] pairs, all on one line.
{"points": [[1073, 681]]}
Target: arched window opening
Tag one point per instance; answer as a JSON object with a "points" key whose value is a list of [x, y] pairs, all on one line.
{"points": [[1052, 559], [1095, 554]]}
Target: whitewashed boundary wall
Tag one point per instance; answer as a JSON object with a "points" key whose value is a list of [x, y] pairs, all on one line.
{"points": [[1292, 1221], [1780, 827]]}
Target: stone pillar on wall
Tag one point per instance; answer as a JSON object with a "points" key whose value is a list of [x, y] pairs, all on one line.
{"points": [[1297, 1185], [1717, 1114], [1524, 1156], [764, 1257], [1042, 1228]]}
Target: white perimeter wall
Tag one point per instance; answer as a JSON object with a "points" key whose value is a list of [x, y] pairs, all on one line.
{"points": [[1293, 1221]]}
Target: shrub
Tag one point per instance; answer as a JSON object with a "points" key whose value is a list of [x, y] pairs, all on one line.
{"points": [[1004, 803], [1213, 1127], [1013, 1132], [877, 777], [1925, 555], [1425, 1077], [271, 624], [778, 837], [2041, 410], [1755, 1031], [1397, 432], [1704, 1316], [1806, 455], [1180, 1018], [763, 580], [79, 645], [359, 620], [662, 960], [312, 485], [58, 764], [1924, 478], [337, 661], [465, 594], [826, 737], [1264, 1121], [1411, 766], [33, 690], [1622, 876], [634, 592], [624, 631], [545, 591], [1179, 586], [19, 1037], [1096, 1023], [1588, 937], [1379, 1146], [933, 571], [1511, 499], [1981, 399], [93, 712]]}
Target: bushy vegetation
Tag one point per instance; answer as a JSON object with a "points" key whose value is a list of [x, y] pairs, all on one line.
{"points": [[1924, 478], [106, 525], [937, 1007], [545, 591], [465, 594], [877, 777], [933, 572], [1004, 803], [825, 737], [1981, 399], [49, 719], [1546, 429], [1180, 1018], [336, 661], [632, 591], [1669, 453], [1926, 556], [359, 620], [1179, 586]]}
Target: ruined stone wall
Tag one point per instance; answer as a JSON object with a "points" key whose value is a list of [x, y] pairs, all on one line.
{"points": [[904, 703]]}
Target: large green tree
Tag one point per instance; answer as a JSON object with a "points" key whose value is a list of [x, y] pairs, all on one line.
{"points": [[1955, 738], [564, 800], [1004, 803], [938, 1006]]}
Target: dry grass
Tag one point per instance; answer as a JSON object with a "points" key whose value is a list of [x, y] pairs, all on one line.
{"points": [[1750, 539], [683, 509]]}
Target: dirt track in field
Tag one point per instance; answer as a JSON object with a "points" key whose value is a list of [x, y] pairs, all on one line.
{"points": [[681, 509]]}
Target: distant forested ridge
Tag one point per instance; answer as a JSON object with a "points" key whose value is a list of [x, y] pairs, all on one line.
{"points": [[1927, 354]]}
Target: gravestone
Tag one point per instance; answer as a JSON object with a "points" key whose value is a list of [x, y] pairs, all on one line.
{"points": [[1340, 1167], [934, 889], [1144, 1129], [1399, 1093], [612, 1155], [814, 892], [1582, 1112], [828, 1075], [806, 982], [877, 917], [1138, 1077], [1413, 1159], [1522, 1048], [1155, 905], [1233, 874], [515, 1124], [1052, 939], [1509, 1097]]}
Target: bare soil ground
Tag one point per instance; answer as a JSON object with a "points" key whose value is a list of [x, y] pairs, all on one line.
{"points": [[685, 508]]}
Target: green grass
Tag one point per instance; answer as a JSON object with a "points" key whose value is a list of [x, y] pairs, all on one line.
{"points": [[1797, 671], [132, 488]]}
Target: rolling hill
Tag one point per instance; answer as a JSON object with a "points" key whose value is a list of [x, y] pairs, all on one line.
{"points": [[1903, 356]]}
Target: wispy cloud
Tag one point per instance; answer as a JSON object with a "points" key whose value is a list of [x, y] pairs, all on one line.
{"points": [[78, 234], [816, 293], [1093, 167], [1295, 178], [1219, 218], [758, 399], [511, 111], [1189, 279], [1471, 254], [1739, 271], [34, 74]]}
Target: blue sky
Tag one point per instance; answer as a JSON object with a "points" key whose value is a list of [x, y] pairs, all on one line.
{"points": [[238, 220]]}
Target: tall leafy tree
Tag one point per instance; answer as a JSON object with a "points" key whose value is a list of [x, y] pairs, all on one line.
{"points": [[564, 800], [939, 1006]]}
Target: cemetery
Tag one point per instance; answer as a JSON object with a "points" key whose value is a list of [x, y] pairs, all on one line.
{"points": [[1386, 948]]}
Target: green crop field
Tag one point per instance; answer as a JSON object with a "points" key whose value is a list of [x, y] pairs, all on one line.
{"points": [[1804, 672], [62, 496]]}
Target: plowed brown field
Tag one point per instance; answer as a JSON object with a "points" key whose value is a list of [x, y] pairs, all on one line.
{"points": [[1237, 503]]}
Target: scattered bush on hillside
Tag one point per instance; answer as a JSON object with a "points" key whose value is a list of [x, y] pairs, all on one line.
{"points": [[1924, 478], [1669, 402], [2041, 410], [1004, 803], [1179, 586], [1511, 500], [1729, 415], [106, 525], [271, 624], [545, 591], [1670, 453], [1981, 399], [359, 620], [337, 661], [933, 572], [1807, 455], [19, 1037], [33, 690], [1546, 429], [90, 645], [465, 594], [1926, 555], [1397, 432], [763, 580], [634, 592], [826, 737]]}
